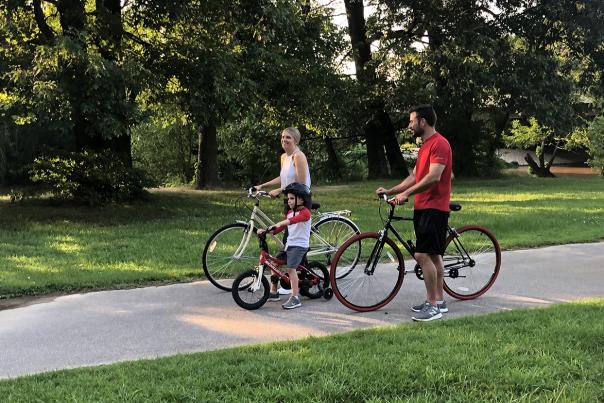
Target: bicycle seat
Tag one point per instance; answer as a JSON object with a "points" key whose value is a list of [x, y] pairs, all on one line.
{"points": [[454, 206], [315, 205]]}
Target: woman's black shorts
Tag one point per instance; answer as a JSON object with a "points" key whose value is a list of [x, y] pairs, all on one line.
{"points": [[430, 231]]}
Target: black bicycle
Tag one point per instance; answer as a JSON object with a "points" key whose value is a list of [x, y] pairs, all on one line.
{"points": [[472, 261]]}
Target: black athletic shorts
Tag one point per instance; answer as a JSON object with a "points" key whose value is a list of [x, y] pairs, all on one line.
{"points": [[430, 231]]}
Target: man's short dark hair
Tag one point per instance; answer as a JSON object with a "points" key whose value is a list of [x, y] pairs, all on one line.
{"points": [[425, 111]]}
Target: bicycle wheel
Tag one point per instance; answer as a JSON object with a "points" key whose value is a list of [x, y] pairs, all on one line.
{"points": [[224, 255], [245, 296], [313, 285], [469, 275], [335, 231], [375, 279]]}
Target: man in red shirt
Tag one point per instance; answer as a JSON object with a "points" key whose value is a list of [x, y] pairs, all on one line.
{"points": [[430, 182]]}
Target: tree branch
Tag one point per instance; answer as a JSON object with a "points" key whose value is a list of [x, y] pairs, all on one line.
{"points": [[41, 19], [398, 34], [136, 39]]}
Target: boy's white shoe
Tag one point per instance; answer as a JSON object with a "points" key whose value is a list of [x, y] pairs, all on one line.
{"points": [[284, 291]]}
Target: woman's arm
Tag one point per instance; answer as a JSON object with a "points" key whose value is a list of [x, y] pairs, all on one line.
{"points": [[272, 182], [301, 166]]}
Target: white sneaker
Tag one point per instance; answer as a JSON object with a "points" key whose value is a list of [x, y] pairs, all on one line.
{"points": [[284, 291]]}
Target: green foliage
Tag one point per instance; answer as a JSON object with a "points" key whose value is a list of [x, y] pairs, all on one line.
{"points": [[164, 144], [251, 68], [595, 144], [528, 136], [93, 178]]}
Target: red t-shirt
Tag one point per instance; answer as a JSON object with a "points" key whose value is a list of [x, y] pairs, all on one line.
{"points": [[435, 150]]}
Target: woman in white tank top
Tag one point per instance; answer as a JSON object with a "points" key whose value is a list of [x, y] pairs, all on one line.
{"points": [[294, 166]]}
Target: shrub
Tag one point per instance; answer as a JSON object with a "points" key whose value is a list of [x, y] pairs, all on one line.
{"points": [[595, 144], [89, 177]]}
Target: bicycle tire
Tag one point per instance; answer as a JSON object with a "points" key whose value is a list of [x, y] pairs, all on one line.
{"points": [[337, 230], [463, 280], [364, 291], [244, 296], [315, 289], [218, 261]]}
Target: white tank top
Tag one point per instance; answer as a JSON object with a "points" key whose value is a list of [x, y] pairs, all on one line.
{"points": [[288, 172]]}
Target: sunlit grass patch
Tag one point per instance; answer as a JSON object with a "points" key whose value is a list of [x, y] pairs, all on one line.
{"points": [[67, 247], [551, 354]]}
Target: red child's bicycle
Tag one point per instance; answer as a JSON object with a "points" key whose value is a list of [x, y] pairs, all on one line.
{"points": [[251, 288]]}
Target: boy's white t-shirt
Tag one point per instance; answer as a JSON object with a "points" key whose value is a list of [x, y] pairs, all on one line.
{"points": [[299, 228]]}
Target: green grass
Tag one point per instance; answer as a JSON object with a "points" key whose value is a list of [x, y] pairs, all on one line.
{"points": [[45, 247], [552, 354]]}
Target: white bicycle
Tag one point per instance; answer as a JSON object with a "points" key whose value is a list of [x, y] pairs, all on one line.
{"points": [[227, 252]]}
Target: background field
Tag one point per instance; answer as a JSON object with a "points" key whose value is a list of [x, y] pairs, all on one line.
{"points": [[47, 248]]}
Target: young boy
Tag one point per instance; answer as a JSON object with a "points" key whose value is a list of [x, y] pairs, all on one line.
{"points": [[298, 224]]}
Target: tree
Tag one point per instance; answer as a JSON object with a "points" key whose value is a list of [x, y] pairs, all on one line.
{"points": [[538, 137], [76, 77], [595, 144], [378, 129]]}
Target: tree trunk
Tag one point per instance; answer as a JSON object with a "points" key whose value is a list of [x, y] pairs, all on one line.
{"points": [[374, 140], [207, 166], [398, 166], [333, 164], [551, 160], [540, 171]]}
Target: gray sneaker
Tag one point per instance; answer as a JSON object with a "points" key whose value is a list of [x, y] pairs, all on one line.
{"points": [[418, 308], [273, 296], [443, 307], [429, 312], [292, 302]]}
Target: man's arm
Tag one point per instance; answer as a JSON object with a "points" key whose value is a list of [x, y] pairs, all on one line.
{"points": [[434, 173], [404, 185]]}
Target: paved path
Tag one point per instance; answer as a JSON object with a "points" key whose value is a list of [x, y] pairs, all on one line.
{"points": [[110, 326]]}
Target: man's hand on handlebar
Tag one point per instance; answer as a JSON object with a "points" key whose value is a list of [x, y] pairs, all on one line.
{"points": [[399, 199], [381, 191]]}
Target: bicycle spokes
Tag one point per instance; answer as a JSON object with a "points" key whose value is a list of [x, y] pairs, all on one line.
{"points": [[472, 260], [375, 279]]}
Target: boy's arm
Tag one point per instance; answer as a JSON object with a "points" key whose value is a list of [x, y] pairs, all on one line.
{"points": [[278, 227], [303, 215]]}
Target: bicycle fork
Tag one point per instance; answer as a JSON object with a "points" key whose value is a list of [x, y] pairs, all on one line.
{"points": [[258, 281], [375, 254]]}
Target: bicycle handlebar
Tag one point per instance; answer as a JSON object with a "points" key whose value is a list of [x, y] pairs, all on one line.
{"points": [[253, 192], [391, 201]]}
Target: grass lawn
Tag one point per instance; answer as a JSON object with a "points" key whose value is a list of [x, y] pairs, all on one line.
{"points": [[552, 354], [45, 247]]}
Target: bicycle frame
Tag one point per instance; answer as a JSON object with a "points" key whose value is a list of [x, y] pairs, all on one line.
{"points": [[273, 263], [452, 268], [259, 219]]}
